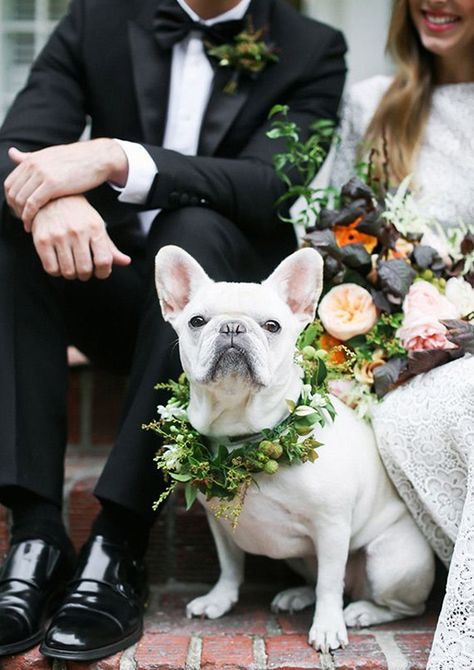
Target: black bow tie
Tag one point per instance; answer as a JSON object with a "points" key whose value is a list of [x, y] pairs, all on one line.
{"points": [[172, 24]]}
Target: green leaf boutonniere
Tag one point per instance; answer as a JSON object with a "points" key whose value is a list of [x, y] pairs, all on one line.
{"points": [[248, 53]]}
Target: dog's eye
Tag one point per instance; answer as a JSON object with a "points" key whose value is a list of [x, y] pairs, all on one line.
{"points": [[272, 326], [197, 322]]}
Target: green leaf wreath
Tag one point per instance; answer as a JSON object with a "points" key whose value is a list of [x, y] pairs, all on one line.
{"points": [[224, 471]]}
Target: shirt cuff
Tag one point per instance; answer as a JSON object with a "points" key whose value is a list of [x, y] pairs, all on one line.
{"points": [[142, 171]]}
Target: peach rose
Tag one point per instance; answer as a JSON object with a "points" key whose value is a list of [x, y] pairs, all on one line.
{"points": [[347, 310], [424, 307]]}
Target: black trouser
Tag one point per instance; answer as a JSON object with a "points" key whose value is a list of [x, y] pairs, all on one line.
{"points": [[117, 322]]}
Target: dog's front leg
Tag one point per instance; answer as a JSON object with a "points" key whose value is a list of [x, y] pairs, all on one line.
{"points": [[331, 538], [225, 593]]}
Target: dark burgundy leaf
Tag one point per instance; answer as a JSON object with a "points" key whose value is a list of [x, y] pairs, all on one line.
{"points": [[387, 376], [324, 241], [396, 277], [424, 256], [326, 218], [348, 215], [438, 265], [331, 267], [356, 188], [467, 245], [371, 223], [460, 333], [470, 278], [381, 301], [423, 361], [388, 236], [339, 278], [457, 269], [356, 256]]}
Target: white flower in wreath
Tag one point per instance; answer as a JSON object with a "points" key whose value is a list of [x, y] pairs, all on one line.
{"points": [[169, 413], [318, 401], [171, 457]]}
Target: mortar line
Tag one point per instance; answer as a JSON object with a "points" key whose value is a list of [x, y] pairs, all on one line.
{"points": [[193, 659], [127, 660], [259, 653], [396, 660]]}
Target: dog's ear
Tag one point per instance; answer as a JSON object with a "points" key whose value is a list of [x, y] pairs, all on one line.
{"points": [[298, 280], [177, 277]]}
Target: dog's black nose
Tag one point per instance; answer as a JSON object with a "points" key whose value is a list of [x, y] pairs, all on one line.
{"points": [[233, 328]]}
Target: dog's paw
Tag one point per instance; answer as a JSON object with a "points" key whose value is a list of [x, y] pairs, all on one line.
{"points": [[328, 632], [213, 605], [293, 600], [363, 613]]}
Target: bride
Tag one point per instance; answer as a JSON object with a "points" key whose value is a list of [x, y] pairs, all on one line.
{"points": [[425, 429]]}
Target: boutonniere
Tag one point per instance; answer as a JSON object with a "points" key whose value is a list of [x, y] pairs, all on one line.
{"points": [[248, 53]]}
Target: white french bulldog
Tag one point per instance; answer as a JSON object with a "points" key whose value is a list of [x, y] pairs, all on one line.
{"points": [[338, 521]]}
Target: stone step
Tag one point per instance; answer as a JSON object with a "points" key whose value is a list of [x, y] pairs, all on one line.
{"points": [[250, 638]]}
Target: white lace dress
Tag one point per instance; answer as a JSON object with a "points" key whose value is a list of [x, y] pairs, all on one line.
{"points": [[425, 429]]}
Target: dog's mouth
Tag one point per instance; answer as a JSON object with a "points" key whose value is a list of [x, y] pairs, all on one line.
{"points": [[232, 361]]}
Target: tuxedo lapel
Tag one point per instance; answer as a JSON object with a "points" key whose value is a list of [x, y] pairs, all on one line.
{"points": [[223, 108], [152, 73], [221, 111]]}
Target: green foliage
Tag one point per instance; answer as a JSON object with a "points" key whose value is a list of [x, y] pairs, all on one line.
{"points": [[382, 337], [298, 165], [225, 471]]}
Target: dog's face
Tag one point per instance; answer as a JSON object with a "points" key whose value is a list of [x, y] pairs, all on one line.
{"points": [[230, 334]]}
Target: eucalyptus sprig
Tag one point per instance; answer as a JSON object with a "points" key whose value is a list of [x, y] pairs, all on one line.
{"points": [[224, 471]]}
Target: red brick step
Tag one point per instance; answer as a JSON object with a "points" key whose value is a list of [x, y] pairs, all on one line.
{"points": [[182, 553], [250, 638]]}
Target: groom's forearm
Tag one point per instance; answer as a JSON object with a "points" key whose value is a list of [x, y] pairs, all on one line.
{"points": [[55, 172]]}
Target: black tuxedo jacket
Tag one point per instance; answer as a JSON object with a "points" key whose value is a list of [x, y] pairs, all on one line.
{"points": [[103, 63]]}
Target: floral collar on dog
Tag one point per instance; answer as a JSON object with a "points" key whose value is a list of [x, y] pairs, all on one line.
{"points": [[225, 471]]}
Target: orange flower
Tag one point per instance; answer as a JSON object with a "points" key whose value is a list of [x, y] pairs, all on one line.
{"points": [[350, 235], [331, 345]]}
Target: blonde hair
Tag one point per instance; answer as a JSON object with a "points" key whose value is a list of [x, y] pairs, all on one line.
{"points": [[397, 126]]}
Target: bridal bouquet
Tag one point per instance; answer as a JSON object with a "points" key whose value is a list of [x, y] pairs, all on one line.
{"points": [[398, 297]]}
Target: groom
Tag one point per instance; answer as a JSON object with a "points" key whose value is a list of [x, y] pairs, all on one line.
{"points": [[175, 158]]}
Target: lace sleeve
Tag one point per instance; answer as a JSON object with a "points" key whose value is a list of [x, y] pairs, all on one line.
{"points": [[346, 149], [359, 105]]}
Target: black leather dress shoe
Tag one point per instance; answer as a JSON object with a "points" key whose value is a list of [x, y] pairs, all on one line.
{"points": [[102, 612], [31, 580]]}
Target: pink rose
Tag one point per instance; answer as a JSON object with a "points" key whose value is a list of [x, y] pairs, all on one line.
{"points": [[424, 335], [346, 311], [424, 299], [424, 307]]}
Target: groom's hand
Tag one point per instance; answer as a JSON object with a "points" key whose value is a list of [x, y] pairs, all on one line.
{"points": [[71, 240], [58, 171]]}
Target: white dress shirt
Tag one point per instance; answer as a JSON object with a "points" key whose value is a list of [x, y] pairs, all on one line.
{"points": [[190, 88]]}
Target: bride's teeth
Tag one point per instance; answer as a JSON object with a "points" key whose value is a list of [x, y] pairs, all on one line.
{"points": [[441, 20]]}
